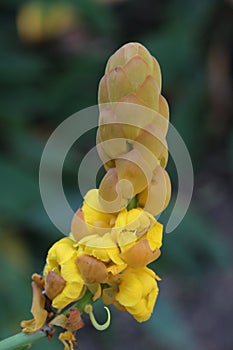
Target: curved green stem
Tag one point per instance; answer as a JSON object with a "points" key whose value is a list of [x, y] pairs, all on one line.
{"points": [[100, 327]]}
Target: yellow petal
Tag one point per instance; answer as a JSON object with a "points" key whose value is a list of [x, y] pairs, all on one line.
{"points": [[71, 293], [130, 289], [116, 269], [126, 238], [68, 340], [132, 224], [37, 310], [61, 251], [121, 219], [70, 272], [155, 235], [94, 212], [142, 310], [114, 255], [148, 279]]}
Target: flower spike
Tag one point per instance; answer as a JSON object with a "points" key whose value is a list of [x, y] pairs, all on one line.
{"points": [[114, 235]]}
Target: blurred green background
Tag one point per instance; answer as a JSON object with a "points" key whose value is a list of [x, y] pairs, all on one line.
{"points": [[52, 56]]}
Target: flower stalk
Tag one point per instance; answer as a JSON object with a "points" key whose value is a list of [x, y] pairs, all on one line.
{"points": [[114, 235], [21, 340]]}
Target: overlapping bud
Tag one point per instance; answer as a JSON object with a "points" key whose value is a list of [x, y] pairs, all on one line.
{"points": [[131, 138]]}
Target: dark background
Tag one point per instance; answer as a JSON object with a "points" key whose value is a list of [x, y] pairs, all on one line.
{"points": [[51, 60]]}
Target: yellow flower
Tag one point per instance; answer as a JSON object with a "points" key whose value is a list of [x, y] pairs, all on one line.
{"points": [[134, 219], [135, 224], [139, 237], [62, 260], [134, 240], [103, 248], [136, 291], [94, 214], [91, 218]]}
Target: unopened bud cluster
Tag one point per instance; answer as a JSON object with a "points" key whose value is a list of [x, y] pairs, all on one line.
{"points": [[131, 138]]}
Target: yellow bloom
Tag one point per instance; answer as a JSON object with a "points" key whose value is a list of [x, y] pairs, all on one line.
{"points": [[103, 248], [134, 219], [139, 237], [136, 292], [62, 260], [134, 240], [135, 224], [94, 214]]}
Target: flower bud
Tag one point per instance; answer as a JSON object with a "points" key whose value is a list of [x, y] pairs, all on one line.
{"points": [[54, 284], [140, 254], [78, 226], [97, 219], [133, 168], [134, 57], [110, 194], [155, 198], [132, 81], [92, 269]]}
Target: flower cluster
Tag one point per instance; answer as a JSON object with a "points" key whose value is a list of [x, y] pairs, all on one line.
{"points": [[114, 235]]}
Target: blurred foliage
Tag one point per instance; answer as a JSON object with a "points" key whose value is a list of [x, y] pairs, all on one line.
{"points": [[51, 61]]}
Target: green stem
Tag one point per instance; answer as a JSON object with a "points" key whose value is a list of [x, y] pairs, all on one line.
{"points": [[133, 203], [25, 340], [21, 340]]}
